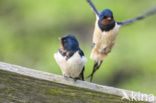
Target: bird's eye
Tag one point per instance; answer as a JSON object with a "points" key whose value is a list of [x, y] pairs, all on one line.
{"points": [[104, 17]]}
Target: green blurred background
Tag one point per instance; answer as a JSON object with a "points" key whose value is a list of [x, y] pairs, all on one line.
{"points": [[29, 30]]}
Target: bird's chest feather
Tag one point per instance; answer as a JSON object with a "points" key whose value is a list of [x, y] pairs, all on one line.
{"points": [[105, 40], [71, 67]]}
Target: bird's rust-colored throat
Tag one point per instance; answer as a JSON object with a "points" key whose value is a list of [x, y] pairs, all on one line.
{"points": [[62, 45], [105, 22]]}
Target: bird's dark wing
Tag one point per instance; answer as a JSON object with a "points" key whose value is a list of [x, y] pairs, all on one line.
{"points": [[93, 7], [148, 13], [81, 52], [82, 74]]}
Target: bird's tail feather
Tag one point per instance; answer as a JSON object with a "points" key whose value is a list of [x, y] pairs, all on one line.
{"points": [[95, 68]]}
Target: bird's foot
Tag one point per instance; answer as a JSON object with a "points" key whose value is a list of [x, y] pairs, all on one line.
{"points": [[104, 50], [75, 79], [66, 77]]}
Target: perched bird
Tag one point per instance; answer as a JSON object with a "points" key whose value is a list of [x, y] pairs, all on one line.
{"points": [[70, 58], [105, 32]]}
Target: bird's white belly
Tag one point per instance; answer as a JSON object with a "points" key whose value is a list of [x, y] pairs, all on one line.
{"points": [[71, 67]]}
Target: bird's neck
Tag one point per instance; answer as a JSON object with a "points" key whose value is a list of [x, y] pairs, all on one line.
{"points": [[106, 27]]}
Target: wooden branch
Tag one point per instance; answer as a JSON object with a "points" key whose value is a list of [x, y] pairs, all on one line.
{"points": [[22, 85]]}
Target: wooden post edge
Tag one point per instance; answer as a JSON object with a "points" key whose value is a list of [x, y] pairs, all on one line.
{"points": [[123, 94]]}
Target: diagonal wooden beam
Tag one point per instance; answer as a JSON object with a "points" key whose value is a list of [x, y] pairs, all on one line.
{"points": [[23, 85]]}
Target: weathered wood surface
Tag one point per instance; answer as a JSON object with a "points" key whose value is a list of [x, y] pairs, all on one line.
{"points": [[22, 85]]}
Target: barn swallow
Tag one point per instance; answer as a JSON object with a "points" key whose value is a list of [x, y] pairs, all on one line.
{"points": [[70, 58], [105, 32]]}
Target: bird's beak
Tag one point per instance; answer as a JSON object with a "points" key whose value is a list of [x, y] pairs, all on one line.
{"points": [[59, 38], [109, 18]]}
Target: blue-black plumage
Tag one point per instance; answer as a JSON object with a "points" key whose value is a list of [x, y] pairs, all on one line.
{"points": [[106, 20]]}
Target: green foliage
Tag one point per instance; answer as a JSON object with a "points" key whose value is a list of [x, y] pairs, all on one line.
{"points": [[29, 30]]}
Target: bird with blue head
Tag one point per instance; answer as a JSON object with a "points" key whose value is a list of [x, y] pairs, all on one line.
{"points": [[106, 20], [70, 58], [105, 33]]}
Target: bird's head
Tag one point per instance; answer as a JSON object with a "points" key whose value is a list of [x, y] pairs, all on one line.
{"points": [[69, 43], [106, 20]]}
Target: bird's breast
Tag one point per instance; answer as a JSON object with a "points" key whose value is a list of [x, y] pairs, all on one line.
{"points": [[71, 67], [104, 41]]}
